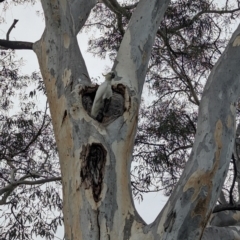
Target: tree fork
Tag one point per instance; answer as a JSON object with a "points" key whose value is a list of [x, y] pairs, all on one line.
{"points": [[97, 199]]}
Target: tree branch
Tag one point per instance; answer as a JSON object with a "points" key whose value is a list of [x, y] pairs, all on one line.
{"points": [[131, 6], [10, 29], [5, 44], [17, 183], [37, 134], [137, 43], [53, 179], [5, 196], [224, 207], [198, 15], [116, 8], [183, 76]]}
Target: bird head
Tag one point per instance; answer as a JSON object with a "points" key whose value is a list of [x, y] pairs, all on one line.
{"points": [[109, 76]]}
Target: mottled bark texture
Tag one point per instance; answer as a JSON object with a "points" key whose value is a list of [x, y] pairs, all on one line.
{"points": [[95, 157], [188, 210]]}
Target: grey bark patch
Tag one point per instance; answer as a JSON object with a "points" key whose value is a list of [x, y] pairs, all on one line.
{"points": [[112, 110], [224, 233], [169, 221], [88, 95], [128, 226], [52, 72], [92, 170]]}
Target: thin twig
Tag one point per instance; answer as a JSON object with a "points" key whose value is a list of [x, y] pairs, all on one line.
{"points": [[26, 182], [10, 29]]}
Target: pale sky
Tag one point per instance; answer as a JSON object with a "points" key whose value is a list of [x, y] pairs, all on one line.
{"points": [[30, 28]]}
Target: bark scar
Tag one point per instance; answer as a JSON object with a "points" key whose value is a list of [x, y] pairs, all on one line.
{"points": [[93, 159], [64, 116]]}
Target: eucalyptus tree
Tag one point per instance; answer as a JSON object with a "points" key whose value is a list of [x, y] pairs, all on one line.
{"points": [[95, 156]]}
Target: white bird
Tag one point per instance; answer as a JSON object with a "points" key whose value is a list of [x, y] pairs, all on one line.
{"points": [[103, 93]]}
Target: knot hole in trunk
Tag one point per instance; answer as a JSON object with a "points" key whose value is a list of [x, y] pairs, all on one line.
{"points": [[113, 108], [92, 169]]}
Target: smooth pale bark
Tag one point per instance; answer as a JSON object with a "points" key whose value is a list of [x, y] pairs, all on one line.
{"points": [[187, 212], [95, 158], [229, 217]]}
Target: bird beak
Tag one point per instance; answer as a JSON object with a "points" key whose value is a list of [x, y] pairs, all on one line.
{"points": [[112, 75]]}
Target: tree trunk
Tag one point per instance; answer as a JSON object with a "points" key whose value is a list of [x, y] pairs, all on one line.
{"points": [[95, 157], [188, 210]]}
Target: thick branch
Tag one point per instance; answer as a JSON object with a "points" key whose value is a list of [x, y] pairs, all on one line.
{"points": [[134, 53], [15, 44], [191, 203], [78, 10], [224, 207], [116, 8]]}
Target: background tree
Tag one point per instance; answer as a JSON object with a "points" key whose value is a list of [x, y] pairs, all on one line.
{"points": [[28, 154], [181, 45], [28, 159]]}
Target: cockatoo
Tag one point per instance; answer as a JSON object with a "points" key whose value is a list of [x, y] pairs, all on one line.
{"points": [[103, 93]]}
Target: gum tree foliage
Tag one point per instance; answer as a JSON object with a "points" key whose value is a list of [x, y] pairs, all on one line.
{"points": [[189, 40], [28, 156]]}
